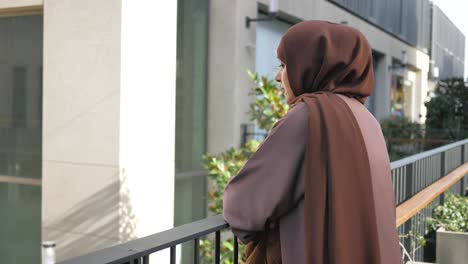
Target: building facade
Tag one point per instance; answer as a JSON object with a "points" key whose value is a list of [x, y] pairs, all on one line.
{"points": [[108, 106], [447, 46]]}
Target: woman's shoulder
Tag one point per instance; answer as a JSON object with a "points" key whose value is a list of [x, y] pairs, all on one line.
{"points": [[298, 109], [295, 118]]}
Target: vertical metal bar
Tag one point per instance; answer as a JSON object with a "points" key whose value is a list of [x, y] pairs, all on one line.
{"points": [[426, 164], [196, 251], [398, 176], [409, 181], [218, 247], [137, 261], [244, 135], [462, 160], [236, 251], [146, 259], [442, 173], [402, 179], [173, 254]]}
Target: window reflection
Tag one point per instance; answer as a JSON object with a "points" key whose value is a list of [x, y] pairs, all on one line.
{"points": [[20, 138]]}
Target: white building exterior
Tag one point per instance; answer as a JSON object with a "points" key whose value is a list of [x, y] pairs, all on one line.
{"points": [[130, 93]]}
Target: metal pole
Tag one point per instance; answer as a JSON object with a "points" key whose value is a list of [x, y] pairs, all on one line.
{"points": [[442, 173], [462, 161]]}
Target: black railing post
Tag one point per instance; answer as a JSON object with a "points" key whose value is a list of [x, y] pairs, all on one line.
{"points": [[218, 248], [442, 173], [462, 161], [236, 251], [173, 254], [408, 193], [244, 135], [196, 251], [409, 181]]}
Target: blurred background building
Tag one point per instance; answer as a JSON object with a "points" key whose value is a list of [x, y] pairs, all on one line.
{"points": [[108, 106]]}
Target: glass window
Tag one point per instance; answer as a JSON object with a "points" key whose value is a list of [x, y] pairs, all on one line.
{"points": [[20, 138], [191, 94], [397, 99], [191, 82]]}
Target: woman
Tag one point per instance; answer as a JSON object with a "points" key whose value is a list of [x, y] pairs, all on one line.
{"points": [[323, 173]]}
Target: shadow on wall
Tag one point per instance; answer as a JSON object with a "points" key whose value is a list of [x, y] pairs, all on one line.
{"points": [[102, 220]]}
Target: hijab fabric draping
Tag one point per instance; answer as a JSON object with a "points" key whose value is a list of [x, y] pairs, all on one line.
{"points": [[323, 59]]}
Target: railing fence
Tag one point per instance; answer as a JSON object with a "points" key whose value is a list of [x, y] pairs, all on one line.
{"points": [[409, 176]]}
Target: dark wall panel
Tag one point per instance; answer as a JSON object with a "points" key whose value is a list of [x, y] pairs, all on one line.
{"points": [[408, 20]]}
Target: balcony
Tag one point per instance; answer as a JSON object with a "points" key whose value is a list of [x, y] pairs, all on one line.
{"points": [[419, 181]]}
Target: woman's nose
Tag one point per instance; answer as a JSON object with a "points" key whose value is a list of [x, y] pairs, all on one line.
{"points": [[278, 76]]}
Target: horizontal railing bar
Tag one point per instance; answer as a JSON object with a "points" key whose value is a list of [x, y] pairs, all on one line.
{"points": [[420, 200], [405, 161], [153, 243]]}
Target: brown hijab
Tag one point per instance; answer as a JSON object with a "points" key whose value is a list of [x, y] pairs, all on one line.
{"points": [[323, 59]]}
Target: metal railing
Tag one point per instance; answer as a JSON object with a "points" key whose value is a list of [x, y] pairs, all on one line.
{"points": [[413, 174], [409, 175]]}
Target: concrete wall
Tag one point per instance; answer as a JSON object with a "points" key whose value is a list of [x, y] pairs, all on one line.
{"points": [[81, 101], [448, 46], [451, 246], [231, 53], [108, 141]]}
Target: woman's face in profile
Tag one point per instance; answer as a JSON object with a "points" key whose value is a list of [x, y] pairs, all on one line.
{"points": [[282, 77]]}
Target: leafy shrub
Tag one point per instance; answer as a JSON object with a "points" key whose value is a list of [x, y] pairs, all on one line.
{"points": [[447, 110], [452, 215], [401, 135]]}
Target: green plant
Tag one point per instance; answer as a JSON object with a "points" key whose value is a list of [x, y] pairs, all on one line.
{"points": [[447, 110], [416, 241], [226, 250], [400, 135], [269, 104], [222, 167], [452, 215], [401, 127], [267, 108]]}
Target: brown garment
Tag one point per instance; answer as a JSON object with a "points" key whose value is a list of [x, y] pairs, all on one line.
{"points": [[259, 193], [266, 249], [332, 197]]}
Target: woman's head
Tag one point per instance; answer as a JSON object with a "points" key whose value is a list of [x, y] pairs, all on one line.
{"points": [[324, 56]]}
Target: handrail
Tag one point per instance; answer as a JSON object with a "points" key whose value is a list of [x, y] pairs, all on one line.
{"points": [[146, 245], [425, 154], [420, 200]]}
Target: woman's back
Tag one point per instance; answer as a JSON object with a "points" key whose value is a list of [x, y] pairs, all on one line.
{"points": [[288, 190]]}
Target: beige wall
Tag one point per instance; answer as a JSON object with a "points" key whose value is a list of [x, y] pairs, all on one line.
{"points": [[80, 193], [108, 128], [230, 55]]}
